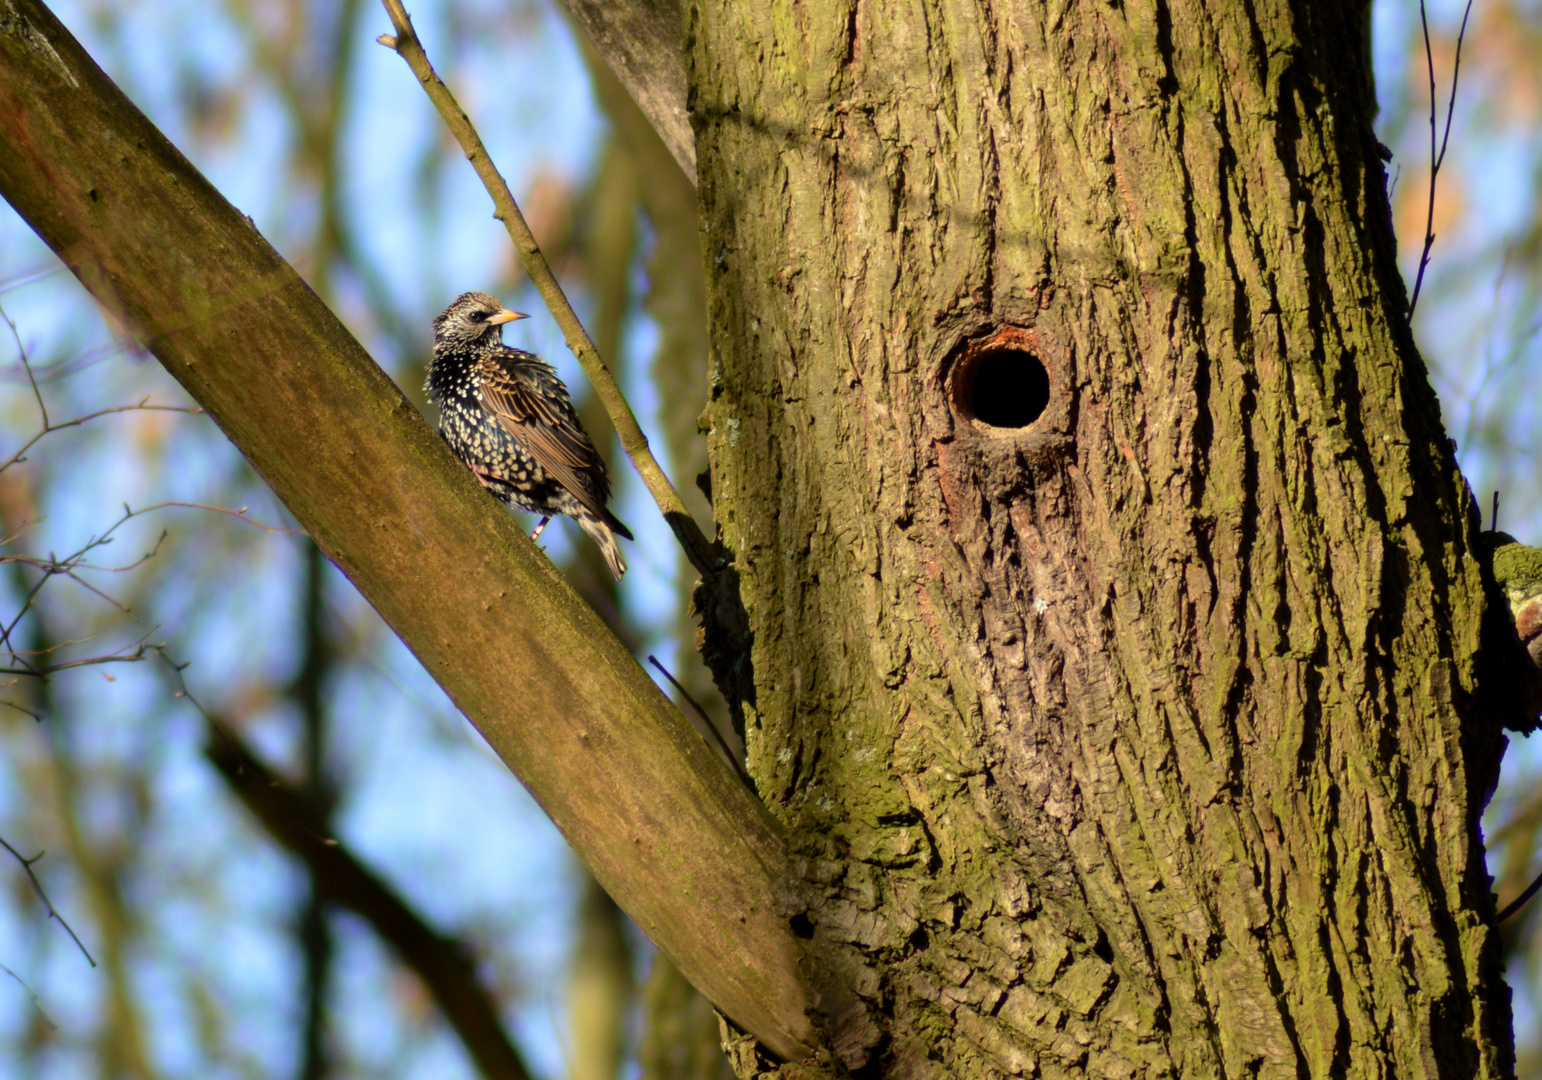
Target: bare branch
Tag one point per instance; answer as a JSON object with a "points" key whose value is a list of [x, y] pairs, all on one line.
{"points": [[643, 43], [705, 726], [289, 816], [21, 708], [240, 514], [633, 441], [37, 1002], [1436, 160], [49, 429], [70, 566], [21, 351], [31, 275], [73, 365], [37, 887], [1520, 901], [138, 653]]}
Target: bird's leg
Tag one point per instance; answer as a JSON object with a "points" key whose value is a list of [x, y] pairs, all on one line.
{"points": [[538, 529], [484, 477]]}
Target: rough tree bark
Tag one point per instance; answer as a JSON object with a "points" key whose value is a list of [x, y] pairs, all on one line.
{"points": [[1148, 738]]}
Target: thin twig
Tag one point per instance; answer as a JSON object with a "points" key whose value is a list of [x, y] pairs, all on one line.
{"points": [[722, 743], [48, 429], [1520, 901], [134, 657], [63, 368], [633, 441], [37, 1002], [1436, 160], [51, 649], [21, 708], [21, 351], [32, 275], [238, 514], [37, 886], [70, 566]]}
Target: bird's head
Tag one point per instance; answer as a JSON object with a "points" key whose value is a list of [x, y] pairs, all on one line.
{"points": [[474, 319]]}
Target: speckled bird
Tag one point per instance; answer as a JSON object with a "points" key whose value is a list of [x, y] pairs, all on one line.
{"points": [[509, 418]]}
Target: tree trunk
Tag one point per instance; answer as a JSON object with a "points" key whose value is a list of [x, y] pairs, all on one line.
{"points": [[1145, 737]]}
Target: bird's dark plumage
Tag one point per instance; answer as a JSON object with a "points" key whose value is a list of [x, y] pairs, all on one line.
{"points": [[509, 418]]}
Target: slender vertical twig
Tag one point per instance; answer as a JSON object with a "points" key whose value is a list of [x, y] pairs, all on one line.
{"points": [[406, 44], [1436, 159]]}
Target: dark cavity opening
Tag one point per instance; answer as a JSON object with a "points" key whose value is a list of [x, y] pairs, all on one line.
{"points": [[1005, 388]]}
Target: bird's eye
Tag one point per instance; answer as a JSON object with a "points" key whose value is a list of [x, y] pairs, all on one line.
{"points": [[478, 316]]}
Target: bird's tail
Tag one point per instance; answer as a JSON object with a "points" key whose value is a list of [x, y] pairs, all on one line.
{"points": [[600, 532]]}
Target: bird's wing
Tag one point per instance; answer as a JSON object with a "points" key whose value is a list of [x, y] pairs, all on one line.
{"points": [[545, 424]]}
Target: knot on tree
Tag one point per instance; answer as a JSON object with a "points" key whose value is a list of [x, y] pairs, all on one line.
{"points": [[1518, 571]]}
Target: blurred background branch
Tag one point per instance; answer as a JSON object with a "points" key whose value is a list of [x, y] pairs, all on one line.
{"points": [[642, 46], [291, 817]]}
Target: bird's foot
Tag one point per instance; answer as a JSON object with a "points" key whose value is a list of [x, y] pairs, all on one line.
{"points": [[484, 477]]}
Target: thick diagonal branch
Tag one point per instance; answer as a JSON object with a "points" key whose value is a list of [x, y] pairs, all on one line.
{"points": [[643, 43]]}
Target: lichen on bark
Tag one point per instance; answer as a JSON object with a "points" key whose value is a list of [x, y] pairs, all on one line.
{"points": [[1149, 739]]}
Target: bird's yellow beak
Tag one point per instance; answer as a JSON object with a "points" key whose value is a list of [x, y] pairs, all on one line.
{"points": [[505, 316]]}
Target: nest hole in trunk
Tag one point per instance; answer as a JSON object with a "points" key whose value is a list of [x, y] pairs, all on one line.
{"points": [[1005, 387]]}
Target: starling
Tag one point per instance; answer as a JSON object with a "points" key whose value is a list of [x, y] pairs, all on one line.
{"points": [[509, 418]]}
